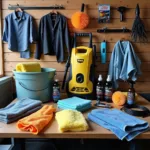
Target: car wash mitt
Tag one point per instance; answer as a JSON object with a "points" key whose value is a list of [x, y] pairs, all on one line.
{"points": [[38, 120], [124, 126], [74, 103], [28, 67], [71, 120], [19, 109]]}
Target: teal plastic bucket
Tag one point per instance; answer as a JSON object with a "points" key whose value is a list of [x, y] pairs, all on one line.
{"points": [[35, 85]]}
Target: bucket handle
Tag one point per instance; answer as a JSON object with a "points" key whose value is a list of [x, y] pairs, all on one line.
{"points": [[30, 89]]}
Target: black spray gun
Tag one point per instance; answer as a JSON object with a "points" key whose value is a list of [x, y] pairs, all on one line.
{"points": [[121, 9]]}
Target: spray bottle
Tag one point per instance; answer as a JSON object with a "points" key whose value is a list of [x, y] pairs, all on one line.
{"points": [[108, 89], [99, 89], [56, 91], [131, 93]]}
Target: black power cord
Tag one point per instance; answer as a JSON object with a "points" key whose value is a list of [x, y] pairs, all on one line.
{"points": [[141, 112]]}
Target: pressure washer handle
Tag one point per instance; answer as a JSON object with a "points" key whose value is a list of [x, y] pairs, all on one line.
{"points": [[83, 35], [65, 73], [94, 53]]}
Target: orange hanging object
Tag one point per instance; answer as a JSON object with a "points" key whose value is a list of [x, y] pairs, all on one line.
{"points": [[80, 20], [119, 98]]}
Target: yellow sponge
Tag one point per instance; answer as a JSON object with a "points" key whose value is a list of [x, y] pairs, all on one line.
{"points": [[28, 67], [119, 98], [71, 120]]}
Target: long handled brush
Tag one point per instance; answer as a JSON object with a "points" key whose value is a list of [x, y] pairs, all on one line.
{"points": [[138, 29]]}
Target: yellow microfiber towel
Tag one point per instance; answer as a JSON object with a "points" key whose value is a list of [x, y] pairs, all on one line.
{"points": [[38, 120], [71, 120], [28, 67]]}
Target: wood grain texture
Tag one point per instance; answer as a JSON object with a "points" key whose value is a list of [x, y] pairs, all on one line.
{"points": [[94, 25], [138, 47], [51, 130], [1, 46], [144, 57], [69, 4], [142, 49], [93, 13]]}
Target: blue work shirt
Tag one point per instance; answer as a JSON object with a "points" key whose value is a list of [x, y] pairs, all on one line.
{"points": [[124, 63], [19, 32]]}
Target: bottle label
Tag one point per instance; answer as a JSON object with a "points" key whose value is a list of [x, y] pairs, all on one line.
{"points": [[130, 99], [56, 94], [108, 94], [99, 93]]}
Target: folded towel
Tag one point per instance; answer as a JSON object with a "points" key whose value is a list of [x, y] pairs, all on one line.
{"points": [[38, 120], [71, 120], [62, 106], [75, 103], [120, 123], [10, 120], [28, 67], [18, 108]]}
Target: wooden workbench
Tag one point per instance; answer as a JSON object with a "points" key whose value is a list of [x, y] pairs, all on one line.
{"points": [[51, 131]]}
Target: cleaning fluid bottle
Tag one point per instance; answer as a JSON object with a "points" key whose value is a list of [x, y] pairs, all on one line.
{"points": [[56, 91], [131, 94], [108, 89], [99, 89]]}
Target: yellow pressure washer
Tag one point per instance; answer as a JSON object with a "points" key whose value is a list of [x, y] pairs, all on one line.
{"points": [[81, 81]]}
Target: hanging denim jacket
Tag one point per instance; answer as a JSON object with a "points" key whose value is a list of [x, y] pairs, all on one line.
{"points": [[124, 63], [19, 31]]}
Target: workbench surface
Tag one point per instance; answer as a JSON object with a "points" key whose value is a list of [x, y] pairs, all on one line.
{"points": [[51, 131]]}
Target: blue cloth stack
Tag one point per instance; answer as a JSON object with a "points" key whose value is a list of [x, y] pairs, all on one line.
{"points": [[19, 109], [124, 126], [74, 103]]}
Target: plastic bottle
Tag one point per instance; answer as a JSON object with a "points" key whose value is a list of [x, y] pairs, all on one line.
{"points": [[108, 90], [131, 94], [56, 91], [99, 89]]}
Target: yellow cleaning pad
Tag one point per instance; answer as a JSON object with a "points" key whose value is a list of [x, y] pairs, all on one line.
{"points": [[71, 120], [28, 67]]}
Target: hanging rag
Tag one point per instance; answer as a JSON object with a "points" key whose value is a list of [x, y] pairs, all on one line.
{"points": [[124, 126], [71, 120], [124, 63], [19, 109], [74, 103], [38, 120], [28, 67]]}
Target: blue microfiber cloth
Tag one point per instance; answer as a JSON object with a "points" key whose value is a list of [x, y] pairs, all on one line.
{"points": [[20, 108], [124, 126], [74, 103], [79, 109], [10, 120]]}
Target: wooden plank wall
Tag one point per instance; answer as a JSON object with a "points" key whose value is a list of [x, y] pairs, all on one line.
{"points": [[1, 49], [142, 49]]}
